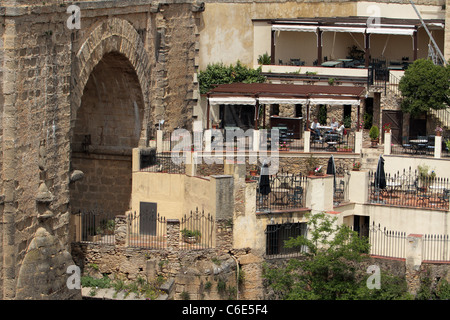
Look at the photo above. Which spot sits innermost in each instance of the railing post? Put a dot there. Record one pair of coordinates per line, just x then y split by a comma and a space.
306, 141
159, 141
387, 143
358, 186
173, 234
358, 141
437, 146
413, 262
120, 231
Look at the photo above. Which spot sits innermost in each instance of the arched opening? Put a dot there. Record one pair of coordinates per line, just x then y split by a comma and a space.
108, 126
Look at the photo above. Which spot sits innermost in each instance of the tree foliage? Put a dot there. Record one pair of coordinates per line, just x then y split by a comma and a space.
425, 86
329, 269
218, 73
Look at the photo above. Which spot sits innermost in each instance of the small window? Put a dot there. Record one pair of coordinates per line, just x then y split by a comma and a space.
277, 234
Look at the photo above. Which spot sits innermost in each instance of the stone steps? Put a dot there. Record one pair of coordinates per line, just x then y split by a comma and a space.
369, 157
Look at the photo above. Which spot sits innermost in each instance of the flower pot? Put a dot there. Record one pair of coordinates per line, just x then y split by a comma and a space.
438, 133
253, 172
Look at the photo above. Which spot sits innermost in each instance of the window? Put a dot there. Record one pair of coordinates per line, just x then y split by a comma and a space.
277, 234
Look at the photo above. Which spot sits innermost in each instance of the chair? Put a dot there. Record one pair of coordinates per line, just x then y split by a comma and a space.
340, 189
430, 144
406, 145
445, 196
297, 196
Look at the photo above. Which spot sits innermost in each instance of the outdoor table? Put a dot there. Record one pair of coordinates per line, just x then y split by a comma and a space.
393, 185
331, 64
418, 144
280, 196
346, 62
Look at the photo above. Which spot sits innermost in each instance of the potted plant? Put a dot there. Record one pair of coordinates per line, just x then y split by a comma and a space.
190, 236
356, 166
425, 176
387, 127
374, 134
318, 171
438, 131
311, 164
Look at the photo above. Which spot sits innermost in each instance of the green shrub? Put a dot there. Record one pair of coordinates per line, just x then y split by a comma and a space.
374, 133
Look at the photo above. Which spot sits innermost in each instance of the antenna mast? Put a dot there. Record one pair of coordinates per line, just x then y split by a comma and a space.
437, 59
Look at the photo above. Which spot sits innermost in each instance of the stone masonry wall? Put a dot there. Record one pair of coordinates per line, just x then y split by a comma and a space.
45, 67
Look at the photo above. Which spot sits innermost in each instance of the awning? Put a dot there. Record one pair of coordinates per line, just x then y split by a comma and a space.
282, 101
232, 100
344, 29
299, 28
334, 102
392, 31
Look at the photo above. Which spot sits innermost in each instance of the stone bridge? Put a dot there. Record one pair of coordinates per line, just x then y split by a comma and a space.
78, 100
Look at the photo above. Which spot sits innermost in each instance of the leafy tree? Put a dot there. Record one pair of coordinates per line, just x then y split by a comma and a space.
425, 86
218, 73
329, 269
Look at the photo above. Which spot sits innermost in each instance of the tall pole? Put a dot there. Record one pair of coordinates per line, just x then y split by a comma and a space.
429, 33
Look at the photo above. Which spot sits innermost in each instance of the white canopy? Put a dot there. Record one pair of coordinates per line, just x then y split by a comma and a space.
393, 31
344, 29
301, 28
282, 101
334, 102
232, 100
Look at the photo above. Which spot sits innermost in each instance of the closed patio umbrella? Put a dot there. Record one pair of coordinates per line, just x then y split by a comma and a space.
331, 169
264, 181
380, 175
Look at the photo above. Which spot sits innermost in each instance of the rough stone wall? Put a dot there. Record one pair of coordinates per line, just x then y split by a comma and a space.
46, 67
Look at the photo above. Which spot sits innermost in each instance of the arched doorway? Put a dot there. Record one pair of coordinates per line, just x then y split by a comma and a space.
108, 126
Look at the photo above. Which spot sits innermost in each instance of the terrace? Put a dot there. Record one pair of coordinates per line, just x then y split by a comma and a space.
345, 43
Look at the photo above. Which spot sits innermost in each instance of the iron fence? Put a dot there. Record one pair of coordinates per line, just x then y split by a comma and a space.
420, 145
277, 234
161, 162
330, 142
387, 243
97, 227
435, 247
410, 189
287, 191
147, 229
197, 231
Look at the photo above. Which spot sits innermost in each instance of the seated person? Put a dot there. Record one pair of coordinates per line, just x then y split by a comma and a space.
341, 129
334, 126
315, 129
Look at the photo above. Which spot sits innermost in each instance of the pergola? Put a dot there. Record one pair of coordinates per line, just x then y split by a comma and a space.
353, 25
256, 94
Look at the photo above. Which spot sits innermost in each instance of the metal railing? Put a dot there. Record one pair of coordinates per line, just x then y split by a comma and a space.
277, 234
387, 243
287, 191
410, 189
147, 229
97, 227
197, 231
436, 247
417, 146
333, 143
161, 162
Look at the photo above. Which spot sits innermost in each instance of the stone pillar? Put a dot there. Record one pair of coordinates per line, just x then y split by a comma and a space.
136, 160
358, 186
413, 262
438, 146
387, 143
358, 141
191, 163
159, 141
256, 140
306, 141
173, 234
319, 193
207, 135
120, 231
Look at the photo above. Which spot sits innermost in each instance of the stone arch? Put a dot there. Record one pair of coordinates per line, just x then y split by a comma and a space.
109, 61
112, 35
